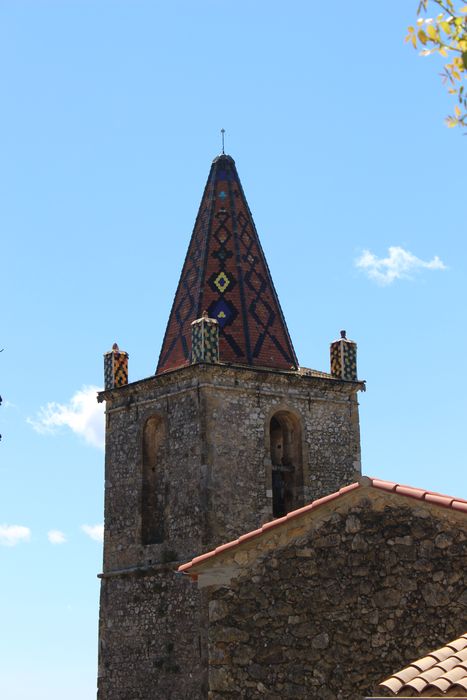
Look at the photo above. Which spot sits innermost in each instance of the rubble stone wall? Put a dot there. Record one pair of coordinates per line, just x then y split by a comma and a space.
214, 472
151, 639
330, 613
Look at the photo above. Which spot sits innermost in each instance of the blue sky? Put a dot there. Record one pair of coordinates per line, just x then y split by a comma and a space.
110, 118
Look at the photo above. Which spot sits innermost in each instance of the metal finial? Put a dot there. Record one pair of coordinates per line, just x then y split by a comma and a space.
222, 133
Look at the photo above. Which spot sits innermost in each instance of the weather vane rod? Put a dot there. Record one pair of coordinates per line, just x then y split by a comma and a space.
223, 132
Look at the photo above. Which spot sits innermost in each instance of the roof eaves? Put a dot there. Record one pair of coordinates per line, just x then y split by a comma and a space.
431, 497
268, 526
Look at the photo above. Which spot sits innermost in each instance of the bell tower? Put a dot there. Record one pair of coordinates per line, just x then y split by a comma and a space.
229, 433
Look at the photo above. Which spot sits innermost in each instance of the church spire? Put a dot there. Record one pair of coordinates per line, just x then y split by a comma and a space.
225, 272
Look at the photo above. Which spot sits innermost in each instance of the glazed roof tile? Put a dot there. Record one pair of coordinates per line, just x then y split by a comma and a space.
445, 671
226, 273
364, 482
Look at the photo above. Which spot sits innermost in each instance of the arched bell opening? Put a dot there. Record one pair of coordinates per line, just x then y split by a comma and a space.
286, 463
153, 488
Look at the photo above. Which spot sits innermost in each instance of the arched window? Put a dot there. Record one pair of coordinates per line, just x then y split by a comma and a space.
286, 461
153, 496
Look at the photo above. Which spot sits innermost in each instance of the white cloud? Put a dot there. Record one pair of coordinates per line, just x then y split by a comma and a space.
399, 264
56, 537
82, 414
95, 532
11, 535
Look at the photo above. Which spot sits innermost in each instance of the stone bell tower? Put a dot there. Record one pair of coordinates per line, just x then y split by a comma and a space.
229, 433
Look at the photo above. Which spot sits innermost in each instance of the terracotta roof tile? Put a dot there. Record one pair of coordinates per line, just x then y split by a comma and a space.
344, 489
410, 491
448, 671
442, 684
384, 485
448, 663
394, 684
430, 675
459, 505
249, 535
365, 481
458, 644
321, 501
407, 674
442, 654
439, 500
455, 674
424, 664
418, 683
271, 524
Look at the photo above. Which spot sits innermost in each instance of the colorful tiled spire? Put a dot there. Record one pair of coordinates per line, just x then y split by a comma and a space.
226, 273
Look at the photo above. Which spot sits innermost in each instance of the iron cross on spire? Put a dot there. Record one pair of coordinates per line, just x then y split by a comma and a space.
222, 134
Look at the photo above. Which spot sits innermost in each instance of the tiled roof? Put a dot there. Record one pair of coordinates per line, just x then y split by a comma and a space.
226, 274
442, 671
457, 504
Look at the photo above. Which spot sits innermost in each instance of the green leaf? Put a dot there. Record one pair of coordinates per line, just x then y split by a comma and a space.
464, 59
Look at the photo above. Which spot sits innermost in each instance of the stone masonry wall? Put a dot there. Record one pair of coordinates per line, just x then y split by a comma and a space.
332, 612
216, 466
150, 639
238, 410
215, 473
179, 467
